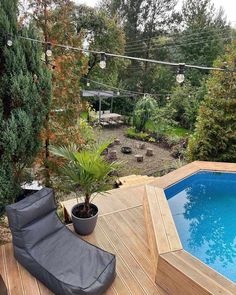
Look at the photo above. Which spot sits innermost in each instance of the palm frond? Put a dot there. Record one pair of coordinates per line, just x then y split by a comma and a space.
65, 152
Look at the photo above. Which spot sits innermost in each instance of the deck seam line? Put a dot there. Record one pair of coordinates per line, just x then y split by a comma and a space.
120, 276
114, 289
139, 217
20, 276
151, 280
38, 287
5, 268
121, 210
127, 224
124, 262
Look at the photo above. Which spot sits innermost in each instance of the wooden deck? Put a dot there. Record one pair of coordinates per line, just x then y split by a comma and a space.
120, 230
124, 230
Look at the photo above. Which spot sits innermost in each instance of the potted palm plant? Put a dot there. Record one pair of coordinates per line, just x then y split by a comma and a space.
86, 173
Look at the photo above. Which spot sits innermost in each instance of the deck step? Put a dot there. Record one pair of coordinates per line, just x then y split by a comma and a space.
131, 180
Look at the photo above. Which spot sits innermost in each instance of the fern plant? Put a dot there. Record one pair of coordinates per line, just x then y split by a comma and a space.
85, 171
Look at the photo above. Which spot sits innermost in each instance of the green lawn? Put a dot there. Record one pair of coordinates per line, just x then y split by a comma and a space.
178, 131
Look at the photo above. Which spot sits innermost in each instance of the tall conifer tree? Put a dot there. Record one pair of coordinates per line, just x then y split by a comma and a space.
25, 95
215, 135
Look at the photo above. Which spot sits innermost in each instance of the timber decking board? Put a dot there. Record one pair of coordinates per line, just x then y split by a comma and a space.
127, 240
184, 270
115, 200
170, 228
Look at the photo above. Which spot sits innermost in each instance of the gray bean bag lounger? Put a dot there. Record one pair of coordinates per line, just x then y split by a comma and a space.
58, 258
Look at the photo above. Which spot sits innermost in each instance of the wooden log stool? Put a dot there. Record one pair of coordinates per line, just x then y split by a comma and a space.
113, 155
139, 158
117, 141
149, 152
142, 146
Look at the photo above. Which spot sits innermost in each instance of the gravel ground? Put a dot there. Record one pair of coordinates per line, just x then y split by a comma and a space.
161, 159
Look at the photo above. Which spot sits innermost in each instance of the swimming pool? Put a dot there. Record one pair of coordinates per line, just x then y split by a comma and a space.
203, 206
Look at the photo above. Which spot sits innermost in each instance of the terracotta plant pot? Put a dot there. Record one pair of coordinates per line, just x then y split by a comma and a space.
84, 226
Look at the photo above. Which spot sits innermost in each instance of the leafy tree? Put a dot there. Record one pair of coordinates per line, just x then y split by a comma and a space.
55, 19
203, 39
25, 95
101, 34
184, 104
144, 110
144, 23
215, 137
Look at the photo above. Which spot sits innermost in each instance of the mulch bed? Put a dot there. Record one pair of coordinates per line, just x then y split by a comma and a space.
5, 234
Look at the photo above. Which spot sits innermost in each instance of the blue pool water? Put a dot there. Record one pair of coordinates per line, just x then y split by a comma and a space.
204, 210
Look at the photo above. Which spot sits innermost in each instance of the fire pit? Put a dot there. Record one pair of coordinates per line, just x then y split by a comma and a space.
126, 150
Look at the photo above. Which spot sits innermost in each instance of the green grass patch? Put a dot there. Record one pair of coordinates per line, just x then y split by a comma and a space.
132, 133
178, 131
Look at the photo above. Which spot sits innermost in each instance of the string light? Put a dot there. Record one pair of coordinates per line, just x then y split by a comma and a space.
180, 75
88, 83
128, 92
105, 54
49, 49
103, 62
9, 42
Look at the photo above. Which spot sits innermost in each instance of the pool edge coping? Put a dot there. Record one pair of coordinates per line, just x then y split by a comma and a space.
172, 264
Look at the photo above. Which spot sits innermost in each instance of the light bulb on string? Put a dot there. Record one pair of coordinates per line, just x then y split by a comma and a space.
180, 78
49, 49
88, 83
9, 42
180, 74
103, 62
118, 92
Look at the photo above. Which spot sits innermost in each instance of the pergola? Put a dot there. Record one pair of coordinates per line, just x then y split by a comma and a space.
100, 94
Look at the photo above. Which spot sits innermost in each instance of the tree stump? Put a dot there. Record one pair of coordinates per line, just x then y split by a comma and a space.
117, 141
149, 152
139, 158
113, 155
142, 146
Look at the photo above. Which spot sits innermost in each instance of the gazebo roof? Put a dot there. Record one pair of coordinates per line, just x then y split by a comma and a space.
101, 93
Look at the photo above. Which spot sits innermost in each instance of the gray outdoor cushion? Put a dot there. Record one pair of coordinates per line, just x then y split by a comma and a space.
57, 257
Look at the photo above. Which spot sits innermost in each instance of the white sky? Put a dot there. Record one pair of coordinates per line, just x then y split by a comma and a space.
229, 7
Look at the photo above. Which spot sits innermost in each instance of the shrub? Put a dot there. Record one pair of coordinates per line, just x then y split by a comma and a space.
25, 95
132, 133
184, 104
215, 137
144, 110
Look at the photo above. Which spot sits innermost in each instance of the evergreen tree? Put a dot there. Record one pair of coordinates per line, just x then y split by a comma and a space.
25, 94
215, 135
204, 37
145, 23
